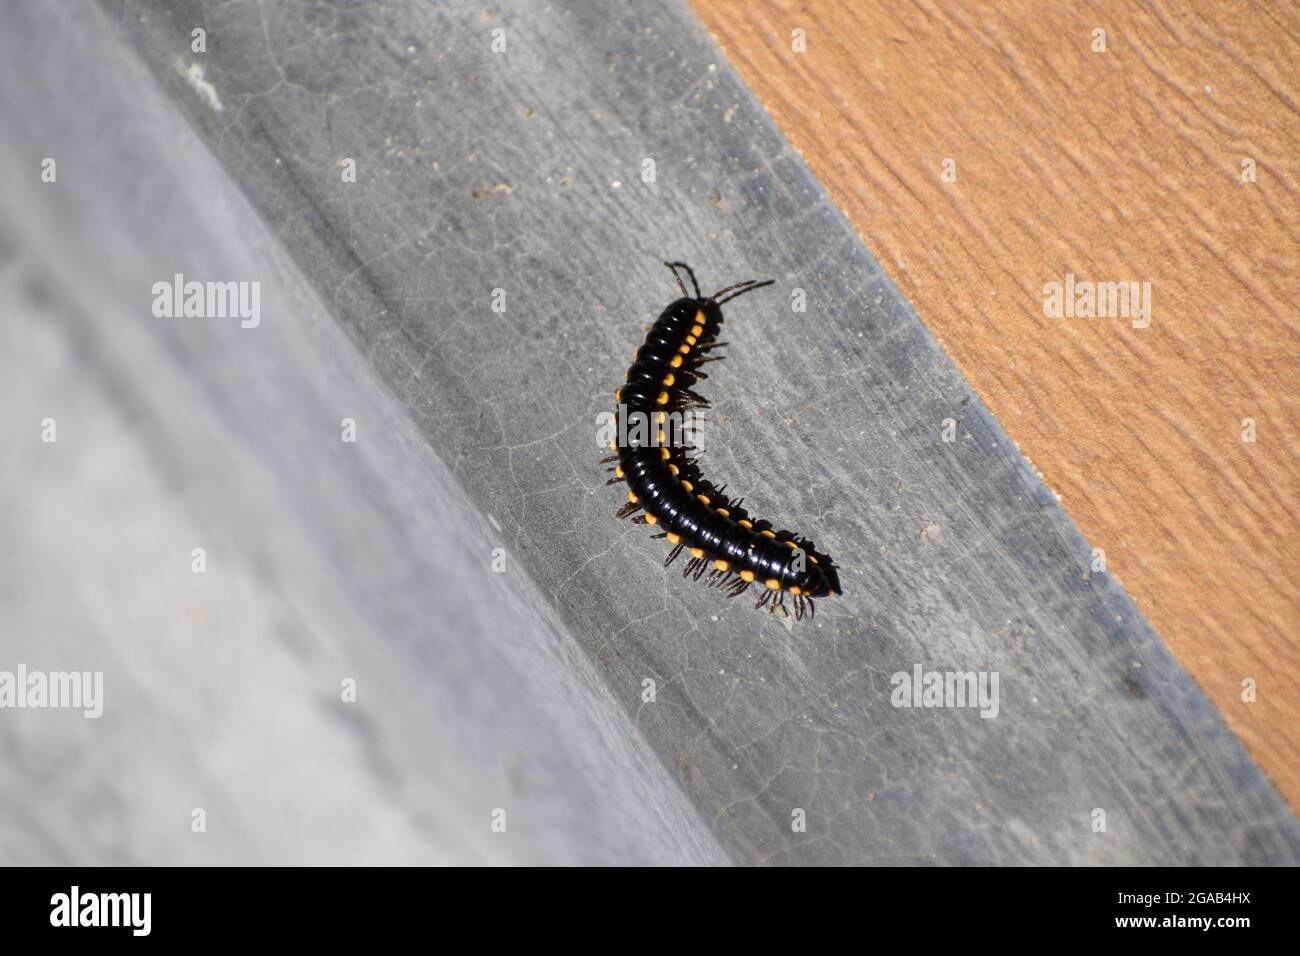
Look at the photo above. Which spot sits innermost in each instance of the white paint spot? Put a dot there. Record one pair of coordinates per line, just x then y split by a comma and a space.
206, 91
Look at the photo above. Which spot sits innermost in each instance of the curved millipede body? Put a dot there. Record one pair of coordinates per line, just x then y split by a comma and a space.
665, 486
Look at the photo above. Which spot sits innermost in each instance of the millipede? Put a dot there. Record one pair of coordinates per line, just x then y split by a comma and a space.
665, 487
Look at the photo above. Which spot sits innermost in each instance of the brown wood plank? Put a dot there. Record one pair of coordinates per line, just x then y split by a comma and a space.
1122, 165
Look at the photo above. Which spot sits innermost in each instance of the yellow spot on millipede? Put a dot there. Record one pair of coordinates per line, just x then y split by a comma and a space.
663, 417
666, 453
685, 349
691, 340
674, 538
618, 471
631, 496
724, 512
746, 523
669, 378
650, 519
703, 499
663, 398
697, 552
795, 589
696, 329
773, 584
812, 559
676, 361
747, 576
673, 469
792, 546
721, 565
687, 485
769, 533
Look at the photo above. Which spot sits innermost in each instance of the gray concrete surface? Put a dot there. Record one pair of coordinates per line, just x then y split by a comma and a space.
520, 171
325, 561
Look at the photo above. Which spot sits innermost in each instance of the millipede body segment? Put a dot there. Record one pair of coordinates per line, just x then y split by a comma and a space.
665, 486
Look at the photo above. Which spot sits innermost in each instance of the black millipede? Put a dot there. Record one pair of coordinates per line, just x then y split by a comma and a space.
665, 486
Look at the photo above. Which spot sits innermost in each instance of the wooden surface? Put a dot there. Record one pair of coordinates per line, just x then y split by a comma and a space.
1123, 165
477, 430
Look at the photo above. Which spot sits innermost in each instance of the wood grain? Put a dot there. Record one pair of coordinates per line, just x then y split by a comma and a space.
1122, 165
